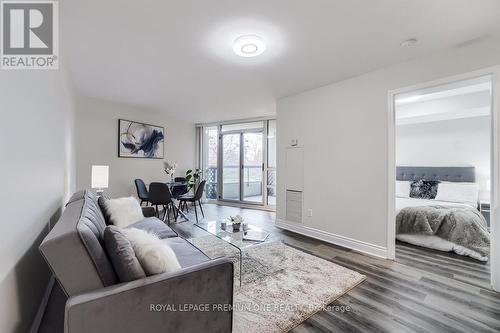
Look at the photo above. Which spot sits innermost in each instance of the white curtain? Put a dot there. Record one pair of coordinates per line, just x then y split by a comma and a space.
199, 154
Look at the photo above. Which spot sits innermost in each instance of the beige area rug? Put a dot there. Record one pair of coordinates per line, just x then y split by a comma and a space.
282, 286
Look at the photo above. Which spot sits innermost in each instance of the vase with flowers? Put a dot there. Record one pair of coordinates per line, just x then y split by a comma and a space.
236, 222
170, 168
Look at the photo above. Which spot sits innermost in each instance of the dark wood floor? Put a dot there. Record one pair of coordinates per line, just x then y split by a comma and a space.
423, 291
446, 264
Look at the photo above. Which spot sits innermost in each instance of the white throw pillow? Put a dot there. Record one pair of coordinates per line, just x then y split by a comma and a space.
403, 189
154, 254
124, 211
467, 193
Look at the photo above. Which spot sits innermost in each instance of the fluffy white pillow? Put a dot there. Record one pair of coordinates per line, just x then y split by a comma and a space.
403, 189
124, 211
154, 255
467, 193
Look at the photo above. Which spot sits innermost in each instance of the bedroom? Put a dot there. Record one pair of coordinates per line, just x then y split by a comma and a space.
443, 178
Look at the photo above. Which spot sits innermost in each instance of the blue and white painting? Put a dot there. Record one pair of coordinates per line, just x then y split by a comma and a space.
140, 140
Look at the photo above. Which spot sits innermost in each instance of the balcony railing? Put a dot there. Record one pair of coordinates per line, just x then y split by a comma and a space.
252, 180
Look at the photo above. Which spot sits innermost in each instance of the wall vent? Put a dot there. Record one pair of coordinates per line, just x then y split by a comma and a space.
294, 206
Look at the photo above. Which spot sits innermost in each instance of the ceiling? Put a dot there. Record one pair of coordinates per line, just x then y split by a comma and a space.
457, 100
176, 56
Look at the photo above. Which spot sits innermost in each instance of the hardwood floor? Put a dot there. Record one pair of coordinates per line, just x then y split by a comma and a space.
451, 265
423, 291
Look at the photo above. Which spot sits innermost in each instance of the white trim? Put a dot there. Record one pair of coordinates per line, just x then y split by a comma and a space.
495, 184
494, 72
354, 244
242, 204
391, 178
237, 121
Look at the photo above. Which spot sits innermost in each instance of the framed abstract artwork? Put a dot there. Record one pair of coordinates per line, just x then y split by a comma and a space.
139, 140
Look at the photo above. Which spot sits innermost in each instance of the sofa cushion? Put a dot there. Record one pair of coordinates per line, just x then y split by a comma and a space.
187, 254
154, 226
74, 248
122, 255
123, 211
91, 230
155, 256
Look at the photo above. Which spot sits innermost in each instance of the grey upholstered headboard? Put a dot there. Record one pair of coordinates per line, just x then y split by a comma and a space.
449, 174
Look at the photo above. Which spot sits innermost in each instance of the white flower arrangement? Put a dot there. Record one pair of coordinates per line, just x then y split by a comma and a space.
170, 167
236, 219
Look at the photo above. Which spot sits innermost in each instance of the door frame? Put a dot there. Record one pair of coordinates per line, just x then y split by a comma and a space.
241, 165
494, 72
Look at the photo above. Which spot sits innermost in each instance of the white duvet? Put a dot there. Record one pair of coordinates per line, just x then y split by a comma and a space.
410, 202
433, 242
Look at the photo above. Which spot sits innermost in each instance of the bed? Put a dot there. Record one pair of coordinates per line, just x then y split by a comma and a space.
446, 218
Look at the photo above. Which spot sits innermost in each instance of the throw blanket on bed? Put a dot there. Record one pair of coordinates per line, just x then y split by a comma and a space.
464, 226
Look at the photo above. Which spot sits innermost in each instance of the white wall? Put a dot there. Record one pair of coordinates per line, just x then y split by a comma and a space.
343, 128
97, 143
454, 142
37, 169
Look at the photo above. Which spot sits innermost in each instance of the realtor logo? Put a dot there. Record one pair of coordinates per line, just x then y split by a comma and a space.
29, 35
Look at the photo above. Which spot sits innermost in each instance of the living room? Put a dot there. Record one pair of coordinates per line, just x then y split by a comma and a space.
264, 136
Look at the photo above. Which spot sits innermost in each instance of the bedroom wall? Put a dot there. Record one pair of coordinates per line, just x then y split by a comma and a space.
38, 174
343, 128
97, 143
448, 143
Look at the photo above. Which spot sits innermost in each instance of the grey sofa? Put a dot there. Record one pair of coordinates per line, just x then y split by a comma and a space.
98, 302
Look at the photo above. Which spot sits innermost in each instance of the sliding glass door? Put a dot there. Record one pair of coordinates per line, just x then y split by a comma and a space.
253, 167
237, 163
242, 162
231, 165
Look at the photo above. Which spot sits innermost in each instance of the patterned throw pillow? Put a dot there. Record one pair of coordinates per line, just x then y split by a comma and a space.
424, 189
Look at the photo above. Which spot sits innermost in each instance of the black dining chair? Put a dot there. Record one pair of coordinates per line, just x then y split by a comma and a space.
142, 191
180, 188
160, 195
184, 199
180, 179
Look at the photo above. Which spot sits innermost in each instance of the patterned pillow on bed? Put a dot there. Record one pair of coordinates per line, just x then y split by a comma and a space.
424, 189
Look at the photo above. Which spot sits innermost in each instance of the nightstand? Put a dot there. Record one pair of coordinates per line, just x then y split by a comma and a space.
484, 208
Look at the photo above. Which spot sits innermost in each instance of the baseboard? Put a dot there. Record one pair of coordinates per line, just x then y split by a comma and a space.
353, 244
43, 305
242, 205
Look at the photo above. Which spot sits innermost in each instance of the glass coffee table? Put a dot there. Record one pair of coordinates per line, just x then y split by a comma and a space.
260, 257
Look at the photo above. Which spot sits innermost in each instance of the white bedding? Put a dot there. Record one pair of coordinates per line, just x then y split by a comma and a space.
411, 202
434, 242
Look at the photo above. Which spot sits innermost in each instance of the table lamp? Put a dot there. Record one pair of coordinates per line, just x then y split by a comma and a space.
100, 178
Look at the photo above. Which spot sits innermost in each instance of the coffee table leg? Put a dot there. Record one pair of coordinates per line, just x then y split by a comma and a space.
241, 265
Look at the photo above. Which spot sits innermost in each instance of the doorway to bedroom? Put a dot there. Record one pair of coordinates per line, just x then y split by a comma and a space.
443, 158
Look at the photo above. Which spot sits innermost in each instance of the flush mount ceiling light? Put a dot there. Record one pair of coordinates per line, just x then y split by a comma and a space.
409, 42
249, 46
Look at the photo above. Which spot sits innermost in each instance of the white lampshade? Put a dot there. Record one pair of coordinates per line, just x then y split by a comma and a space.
100, 176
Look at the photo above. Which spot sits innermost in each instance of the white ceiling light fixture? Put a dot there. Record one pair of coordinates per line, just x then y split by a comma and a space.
409, 42
249, 46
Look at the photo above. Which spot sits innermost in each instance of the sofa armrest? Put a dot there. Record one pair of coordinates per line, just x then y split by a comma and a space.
148, 211
159, 303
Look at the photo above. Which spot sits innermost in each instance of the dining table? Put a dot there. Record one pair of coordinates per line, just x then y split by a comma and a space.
171, 185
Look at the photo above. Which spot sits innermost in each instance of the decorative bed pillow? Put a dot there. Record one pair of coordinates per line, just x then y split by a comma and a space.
122, 255
402, 189
123, 212
424, 189
154, 255
467, 193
